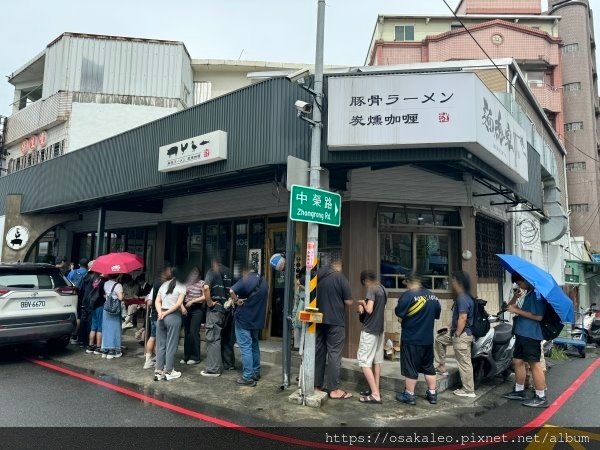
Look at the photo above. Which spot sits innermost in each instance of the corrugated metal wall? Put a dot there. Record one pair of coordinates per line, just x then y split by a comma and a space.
117, 66
262, 131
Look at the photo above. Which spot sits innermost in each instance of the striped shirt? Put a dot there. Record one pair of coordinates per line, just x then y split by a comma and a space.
195, 290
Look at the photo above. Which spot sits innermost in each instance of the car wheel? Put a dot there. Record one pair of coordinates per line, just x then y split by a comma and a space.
60, 343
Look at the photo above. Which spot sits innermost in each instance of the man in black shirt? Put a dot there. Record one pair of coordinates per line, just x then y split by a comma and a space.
333, 294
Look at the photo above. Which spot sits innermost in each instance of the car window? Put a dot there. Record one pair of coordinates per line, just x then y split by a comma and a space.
32, 280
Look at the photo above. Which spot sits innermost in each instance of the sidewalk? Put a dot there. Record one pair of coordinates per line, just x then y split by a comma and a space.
265, 404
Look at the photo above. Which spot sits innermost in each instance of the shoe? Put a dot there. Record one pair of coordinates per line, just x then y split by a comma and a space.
172, 375
443, 373
117, 355
229, 368
536, 402
97, 351
256, 377
243, 382
111, 354
104, 354
74, 341
431, 398
183, 361
191, 362
149, 364
126, 326
515, 395
462, 393
90, 349
404, 397
158, 375
204, 373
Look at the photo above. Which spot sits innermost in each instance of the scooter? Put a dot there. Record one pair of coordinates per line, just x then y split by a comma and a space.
591, 325
492, 354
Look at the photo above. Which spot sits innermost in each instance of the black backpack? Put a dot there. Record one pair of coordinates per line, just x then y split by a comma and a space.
481, 324
550, 324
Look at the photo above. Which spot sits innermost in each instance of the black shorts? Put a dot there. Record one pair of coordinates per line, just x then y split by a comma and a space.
527, 349
415, 359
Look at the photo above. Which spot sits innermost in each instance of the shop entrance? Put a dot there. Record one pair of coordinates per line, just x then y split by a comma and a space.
276, 244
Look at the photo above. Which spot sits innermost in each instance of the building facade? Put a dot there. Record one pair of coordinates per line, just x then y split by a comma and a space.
581, 113
413, 199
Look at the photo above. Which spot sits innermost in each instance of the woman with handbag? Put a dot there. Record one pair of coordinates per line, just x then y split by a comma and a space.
111, 318
168, 304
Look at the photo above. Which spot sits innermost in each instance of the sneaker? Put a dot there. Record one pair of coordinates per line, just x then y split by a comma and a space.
537, 402
104, 353
158, 375
431, 398
405, 397
183, 361
149, 364
462, 393
74, 341
111, 354
97, 351
126, 326
173, 374
515, 395
204, 373
90, 349
117, 355
191, 362
243, 382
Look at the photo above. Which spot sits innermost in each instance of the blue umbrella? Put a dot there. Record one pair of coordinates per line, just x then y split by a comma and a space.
543, 283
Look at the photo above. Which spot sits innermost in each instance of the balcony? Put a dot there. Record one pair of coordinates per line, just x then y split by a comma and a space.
550, 97
37, 116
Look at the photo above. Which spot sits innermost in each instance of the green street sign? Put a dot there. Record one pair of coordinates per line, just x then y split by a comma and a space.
315, 205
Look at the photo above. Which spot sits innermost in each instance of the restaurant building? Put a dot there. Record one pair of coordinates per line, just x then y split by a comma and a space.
437, 173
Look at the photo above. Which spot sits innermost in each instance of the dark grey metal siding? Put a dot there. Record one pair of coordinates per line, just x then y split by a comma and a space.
262, 131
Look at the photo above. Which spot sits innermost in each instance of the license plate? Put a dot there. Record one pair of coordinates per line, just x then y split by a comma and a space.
33, 304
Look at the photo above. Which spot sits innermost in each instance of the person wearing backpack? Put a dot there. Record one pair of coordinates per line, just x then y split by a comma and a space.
76, 277
528, 342
460, 335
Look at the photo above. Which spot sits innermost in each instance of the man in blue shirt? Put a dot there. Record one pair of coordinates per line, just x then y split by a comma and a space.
528, 340
250, 295
418, 309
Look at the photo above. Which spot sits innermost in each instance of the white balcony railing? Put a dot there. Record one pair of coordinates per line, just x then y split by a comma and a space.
38, 115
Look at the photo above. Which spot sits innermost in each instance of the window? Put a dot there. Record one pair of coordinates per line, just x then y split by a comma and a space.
573, 126
570, 48
576, 167
579, 207
572, 87
417, 240
535, 78
489, 238
405, 33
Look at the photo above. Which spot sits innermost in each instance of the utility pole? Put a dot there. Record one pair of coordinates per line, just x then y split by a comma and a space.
308, 361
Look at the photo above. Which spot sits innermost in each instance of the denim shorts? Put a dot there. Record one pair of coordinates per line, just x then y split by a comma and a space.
97, 319
152, 327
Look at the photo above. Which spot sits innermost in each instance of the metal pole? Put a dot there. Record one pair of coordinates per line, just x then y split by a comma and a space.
308, 362
290, 257
100, 231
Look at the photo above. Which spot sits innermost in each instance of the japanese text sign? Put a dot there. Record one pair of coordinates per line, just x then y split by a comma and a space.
315, 205
204, 149
425, 110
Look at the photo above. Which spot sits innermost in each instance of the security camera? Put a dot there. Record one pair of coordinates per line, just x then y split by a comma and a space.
303, 107
298, 75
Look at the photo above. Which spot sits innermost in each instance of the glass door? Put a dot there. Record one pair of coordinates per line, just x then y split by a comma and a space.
277, 241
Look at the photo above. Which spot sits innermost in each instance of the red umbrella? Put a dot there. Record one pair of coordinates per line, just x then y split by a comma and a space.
122, 262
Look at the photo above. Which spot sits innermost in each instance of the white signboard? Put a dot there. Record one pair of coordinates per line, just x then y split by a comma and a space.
199, 150
17, 238
425, 110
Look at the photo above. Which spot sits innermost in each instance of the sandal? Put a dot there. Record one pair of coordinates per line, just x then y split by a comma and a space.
344, 396
365, 393
370, 399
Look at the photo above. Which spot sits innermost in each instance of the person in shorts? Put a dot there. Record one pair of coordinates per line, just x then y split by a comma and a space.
370, 347
418, 309
529, 309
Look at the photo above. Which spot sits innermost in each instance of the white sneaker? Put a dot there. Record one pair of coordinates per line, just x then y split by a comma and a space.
183, 361
149, 364
462, 393
173, 374
158, 375
125, 326
104, 354
117, 355
204, 373
191, 362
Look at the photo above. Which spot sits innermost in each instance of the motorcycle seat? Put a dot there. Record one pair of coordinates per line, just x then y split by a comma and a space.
502, 333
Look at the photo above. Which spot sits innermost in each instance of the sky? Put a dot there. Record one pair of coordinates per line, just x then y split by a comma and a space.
270, 30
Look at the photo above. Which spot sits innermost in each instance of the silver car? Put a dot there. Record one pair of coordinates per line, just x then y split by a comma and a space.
37, 303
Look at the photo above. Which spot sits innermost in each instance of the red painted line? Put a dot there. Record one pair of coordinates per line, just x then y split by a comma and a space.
537, 422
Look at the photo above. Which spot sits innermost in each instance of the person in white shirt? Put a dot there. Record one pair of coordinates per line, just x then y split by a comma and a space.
168, 305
